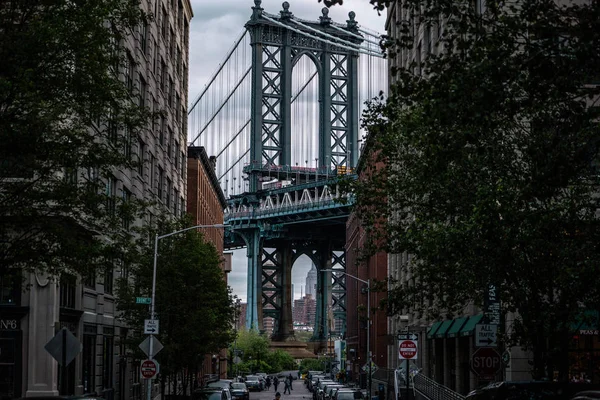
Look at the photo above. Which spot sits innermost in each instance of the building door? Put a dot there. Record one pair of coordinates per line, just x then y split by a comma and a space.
10, 364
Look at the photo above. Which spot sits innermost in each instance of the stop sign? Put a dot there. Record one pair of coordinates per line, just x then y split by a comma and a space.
407, 349
486, 363
149, 369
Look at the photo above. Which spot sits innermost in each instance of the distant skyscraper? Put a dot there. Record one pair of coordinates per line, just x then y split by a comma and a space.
311, 281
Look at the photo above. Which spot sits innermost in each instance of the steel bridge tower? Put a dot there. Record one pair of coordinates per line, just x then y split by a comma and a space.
276, 239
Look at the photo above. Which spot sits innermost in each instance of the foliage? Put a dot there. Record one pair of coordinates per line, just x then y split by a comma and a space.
256, 355
485, 153
313, 364
66, 123
193, 303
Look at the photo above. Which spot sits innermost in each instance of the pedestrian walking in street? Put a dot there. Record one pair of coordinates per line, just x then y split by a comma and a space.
291, 380
275, 382
287, 385
268, 382
277, 396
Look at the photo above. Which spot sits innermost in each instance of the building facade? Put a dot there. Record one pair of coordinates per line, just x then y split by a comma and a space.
206, 204
157, 67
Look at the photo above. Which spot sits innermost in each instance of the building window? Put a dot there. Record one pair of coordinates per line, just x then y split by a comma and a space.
89, 359
68, 288
169, 143
161, 134
89, 281
142, 94
111, 195
128, 72
127, 142
183, 210
125, 217
165, 23
182, 165
71, 176
176, 155
10, 285
144, 36
176, 210
108, 279
159, 191
108, 341
152, 170
171, 91
111, 126
140, 157
168, 193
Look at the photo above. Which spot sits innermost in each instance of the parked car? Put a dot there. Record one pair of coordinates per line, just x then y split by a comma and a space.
348, 394
239, 391
222, 383
253, 383
330, 391
540, 390
211, 393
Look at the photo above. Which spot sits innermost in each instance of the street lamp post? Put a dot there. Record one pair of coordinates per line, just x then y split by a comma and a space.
157, 237
368, 283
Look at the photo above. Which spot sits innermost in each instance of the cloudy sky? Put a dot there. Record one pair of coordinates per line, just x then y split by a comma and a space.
214, 29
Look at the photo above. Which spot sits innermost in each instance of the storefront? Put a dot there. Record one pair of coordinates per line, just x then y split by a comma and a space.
11, 353
584, 355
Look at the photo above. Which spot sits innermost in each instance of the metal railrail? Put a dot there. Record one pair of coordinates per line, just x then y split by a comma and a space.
432, 390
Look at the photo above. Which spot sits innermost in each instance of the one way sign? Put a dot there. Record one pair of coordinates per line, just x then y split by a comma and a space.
151, 327
486, 335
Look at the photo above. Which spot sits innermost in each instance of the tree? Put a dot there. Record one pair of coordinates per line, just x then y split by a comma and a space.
489, 152
193, 303
66, 125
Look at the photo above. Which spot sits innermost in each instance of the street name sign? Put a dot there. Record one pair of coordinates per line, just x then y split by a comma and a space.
149, 369
407, 349
156, 346
143, 300
151, 327
408, 336
485, 363
486, 335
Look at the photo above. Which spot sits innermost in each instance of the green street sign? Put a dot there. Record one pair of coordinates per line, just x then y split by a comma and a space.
143, 300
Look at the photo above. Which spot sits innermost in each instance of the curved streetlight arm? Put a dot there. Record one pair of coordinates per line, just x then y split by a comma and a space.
368, 283
153, 298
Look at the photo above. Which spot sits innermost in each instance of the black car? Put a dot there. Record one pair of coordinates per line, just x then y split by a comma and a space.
211, 393
239, 391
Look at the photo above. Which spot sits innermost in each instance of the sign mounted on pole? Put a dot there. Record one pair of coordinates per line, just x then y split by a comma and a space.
486, 363
407, 349
408, 336
143, 300
156, 346
149, 369
150, 327
486, 335
492, 305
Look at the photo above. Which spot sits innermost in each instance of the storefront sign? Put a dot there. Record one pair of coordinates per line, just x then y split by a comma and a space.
595, 332
9, 324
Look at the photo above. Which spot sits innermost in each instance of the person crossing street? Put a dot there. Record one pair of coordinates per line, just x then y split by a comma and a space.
287, 385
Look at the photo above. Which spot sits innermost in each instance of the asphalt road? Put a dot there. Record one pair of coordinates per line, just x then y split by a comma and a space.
299, 391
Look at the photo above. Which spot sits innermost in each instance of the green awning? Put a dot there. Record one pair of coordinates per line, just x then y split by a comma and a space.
441, 332
433, 329
455, 328
587, 320
469, 327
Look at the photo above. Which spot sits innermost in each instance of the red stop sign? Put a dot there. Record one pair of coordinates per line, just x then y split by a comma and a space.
149, 369
486, 363
407, 349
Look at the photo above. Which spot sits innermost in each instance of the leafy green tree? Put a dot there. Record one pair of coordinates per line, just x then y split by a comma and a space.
66, 126
486, 155
193, 303
312, 364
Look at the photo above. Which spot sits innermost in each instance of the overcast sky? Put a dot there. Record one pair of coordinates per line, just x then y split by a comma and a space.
213, 30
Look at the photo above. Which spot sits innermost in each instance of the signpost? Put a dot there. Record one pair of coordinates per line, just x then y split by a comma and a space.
407, 349
485, 363
156, 346
151, 327
143, 300
63, 347
492, 305
149, 369
486, 335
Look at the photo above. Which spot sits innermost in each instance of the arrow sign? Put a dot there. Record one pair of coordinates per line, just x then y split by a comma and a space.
151, 327
486, 335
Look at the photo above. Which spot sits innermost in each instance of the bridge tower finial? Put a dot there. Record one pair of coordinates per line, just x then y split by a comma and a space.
285, 13
325, 20
257, 9
352, 24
